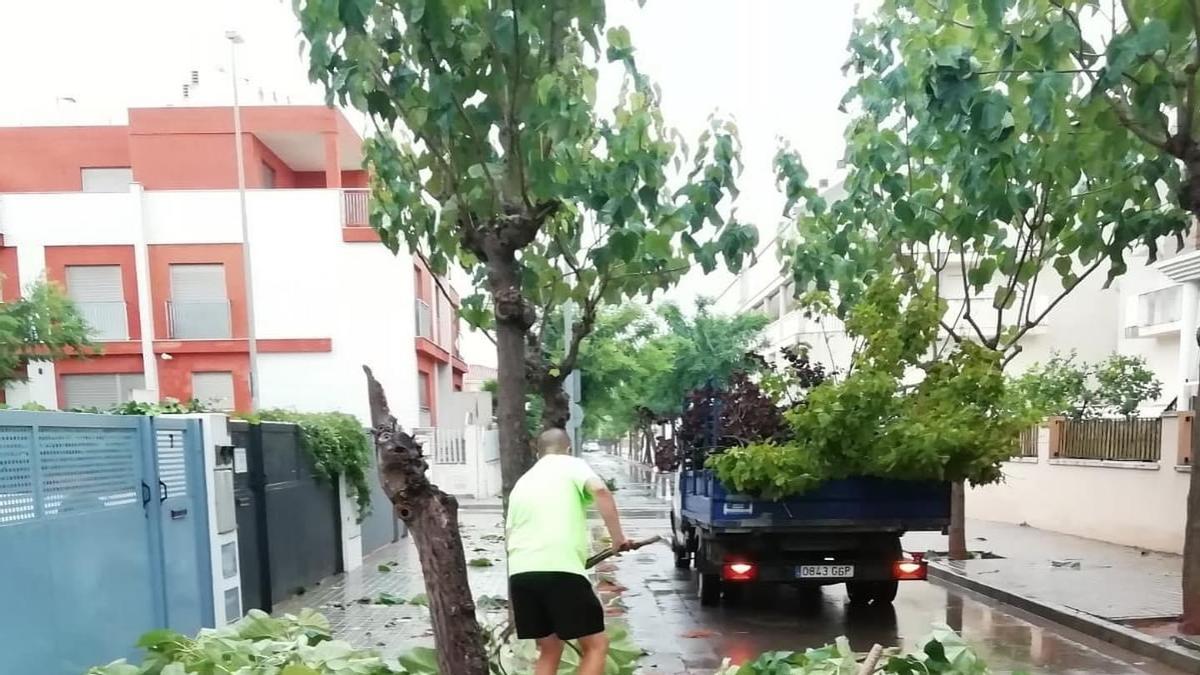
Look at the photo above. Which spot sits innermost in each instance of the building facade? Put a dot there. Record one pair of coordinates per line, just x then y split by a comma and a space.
141, 225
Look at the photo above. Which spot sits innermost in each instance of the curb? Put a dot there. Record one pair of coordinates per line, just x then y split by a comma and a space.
1162, 650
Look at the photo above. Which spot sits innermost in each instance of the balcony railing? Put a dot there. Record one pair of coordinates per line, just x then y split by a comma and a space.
108, 320
356, 210
199, 320
424, 320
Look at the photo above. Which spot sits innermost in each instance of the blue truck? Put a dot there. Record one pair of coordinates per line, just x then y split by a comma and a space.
846, 531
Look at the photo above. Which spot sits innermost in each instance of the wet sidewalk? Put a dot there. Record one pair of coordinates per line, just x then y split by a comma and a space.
372, 607
1116, 583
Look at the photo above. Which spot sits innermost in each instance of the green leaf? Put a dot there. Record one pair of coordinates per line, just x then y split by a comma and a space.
291, 669
419, 661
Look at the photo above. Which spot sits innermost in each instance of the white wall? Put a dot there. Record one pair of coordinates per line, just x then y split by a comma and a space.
1133, 504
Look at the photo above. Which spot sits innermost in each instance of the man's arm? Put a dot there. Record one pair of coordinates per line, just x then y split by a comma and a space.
607, 506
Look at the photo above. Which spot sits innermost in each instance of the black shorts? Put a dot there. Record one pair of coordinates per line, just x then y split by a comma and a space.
554, 603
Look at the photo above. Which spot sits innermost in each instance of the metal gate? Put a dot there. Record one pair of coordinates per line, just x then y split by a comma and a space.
381, 527
104, 536
289, 522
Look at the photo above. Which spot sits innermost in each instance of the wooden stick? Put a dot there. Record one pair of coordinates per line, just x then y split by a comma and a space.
608, 552
868, 664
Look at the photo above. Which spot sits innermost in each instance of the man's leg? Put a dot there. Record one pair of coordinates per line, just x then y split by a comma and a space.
595, 653
550, 650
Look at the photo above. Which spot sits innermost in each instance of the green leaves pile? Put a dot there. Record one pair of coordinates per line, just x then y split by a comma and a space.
338, 444
260, 644
942, 652
903, 411
302, 644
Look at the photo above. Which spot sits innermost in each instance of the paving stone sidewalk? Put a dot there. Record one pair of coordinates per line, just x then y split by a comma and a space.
1113, 582
351, 601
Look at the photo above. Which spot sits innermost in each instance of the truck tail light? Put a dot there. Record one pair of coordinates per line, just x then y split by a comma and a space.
739, 571
909, 570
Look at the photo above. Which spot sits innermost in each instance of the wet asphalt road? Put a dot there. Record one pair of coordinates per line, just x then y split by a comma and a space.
666, 619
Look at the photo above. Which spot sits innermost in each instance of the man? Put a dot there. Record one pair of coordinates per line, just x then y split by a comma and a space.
547, 536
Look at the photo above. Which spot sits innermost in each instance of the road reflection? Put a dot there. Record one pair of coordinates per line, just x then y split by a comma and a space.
666, 618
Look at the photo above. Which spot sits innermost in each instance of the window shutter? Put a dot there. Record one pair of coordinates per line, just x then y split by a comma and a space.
95, 283
214, 390
197, 282
101, 391
106, 179
90, 391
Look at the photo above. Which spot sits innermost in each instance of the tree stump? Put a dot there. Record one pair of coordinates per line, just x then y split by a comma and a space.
432, 517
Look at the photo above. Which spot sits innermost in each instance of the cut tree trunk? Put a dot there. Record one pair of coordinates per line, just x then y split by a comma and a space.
1190, 622
958, 521
432, 517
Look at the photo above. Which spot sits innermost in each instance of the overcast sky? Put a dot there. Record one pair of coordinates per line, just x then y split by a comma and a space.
772, 65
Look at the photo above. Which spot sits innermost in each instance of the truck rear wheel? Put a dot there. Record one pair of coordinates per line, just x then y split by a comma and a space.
710, 590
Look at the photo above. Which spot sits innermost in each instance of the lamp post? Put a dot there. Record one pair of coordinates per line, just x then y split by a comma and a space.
235, 39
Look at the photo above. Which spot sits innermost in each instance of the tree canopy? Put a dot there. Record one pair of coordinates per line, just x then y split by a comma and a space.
984, 158
637, 364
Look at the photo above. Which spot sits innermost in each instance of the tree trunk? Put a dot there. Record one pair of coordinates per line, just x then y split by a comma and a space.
1191, 557
556, 405
513, 319
958, 521
432, 517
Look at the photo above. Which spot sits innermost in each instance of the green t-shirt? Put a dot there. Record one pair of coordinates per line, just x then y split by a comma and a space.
547, 517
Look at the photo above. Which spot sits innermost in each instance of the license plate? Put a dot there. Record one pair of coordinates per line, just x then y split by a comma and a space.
824, 571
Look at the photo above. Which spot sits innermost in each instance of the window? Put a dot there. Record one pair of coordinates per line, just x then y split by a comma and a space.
267, 176
773, 305
789, 297
1159, 307
100, 391
99, 296
112, 179
213, 390
199, 307
423, 391
425, 414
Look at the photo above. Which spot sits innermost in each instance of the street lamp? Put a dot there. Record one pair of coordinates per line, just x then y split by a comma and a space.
235, 39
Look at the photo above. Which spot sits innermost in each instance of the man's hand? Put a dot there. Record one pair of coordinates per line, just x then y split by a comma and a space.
620, 543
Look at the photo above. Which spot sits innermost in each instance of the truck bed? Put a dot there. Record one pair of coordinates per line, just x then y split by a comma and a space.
852, 504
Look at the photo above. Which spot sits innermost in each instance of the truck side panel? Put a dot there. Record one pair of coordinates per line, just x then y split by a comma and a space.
867, 504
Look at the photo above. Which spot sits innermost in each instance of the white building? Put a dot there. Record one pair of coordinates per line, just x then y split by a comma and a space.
141, 224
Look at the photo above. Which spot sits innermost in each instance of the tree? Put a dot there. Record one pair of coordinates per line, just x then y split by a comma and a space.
1118, 385
615, 358
669, 358
489, 153
42, 325
980, 161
